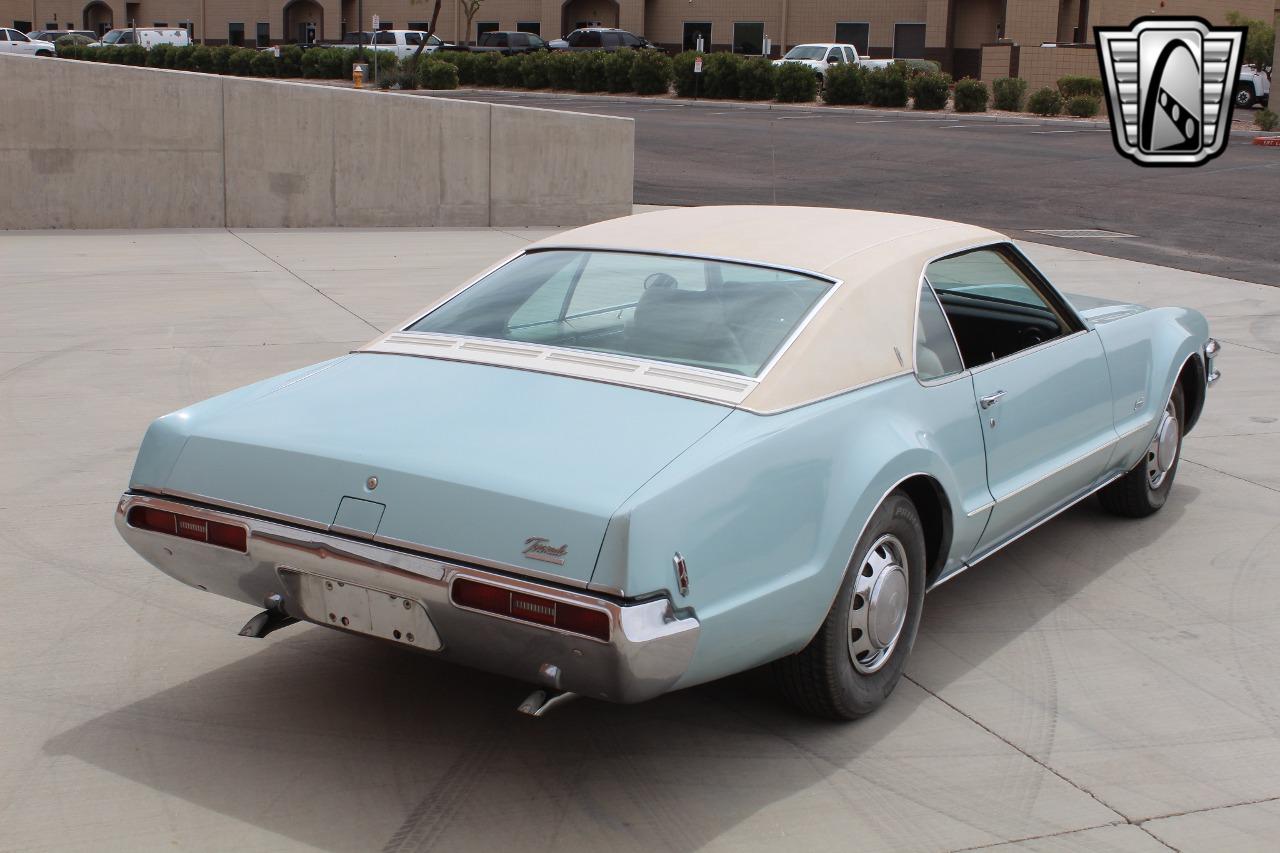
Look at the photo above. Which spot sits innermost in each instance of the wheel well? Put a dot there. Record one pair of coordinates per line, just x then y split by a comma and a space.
1192, 382
935, 517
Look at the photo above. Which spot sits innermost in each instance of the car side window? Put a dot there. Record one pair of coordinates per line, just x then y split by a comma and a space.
834, 55
612, 40
384, 37
589, 39
4, 35
629, 40
936, 352
413, 38
849, 55
995, 305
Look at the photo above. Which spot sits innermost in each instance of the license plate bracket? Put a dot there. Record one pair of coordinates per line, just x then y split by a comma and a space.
362, 610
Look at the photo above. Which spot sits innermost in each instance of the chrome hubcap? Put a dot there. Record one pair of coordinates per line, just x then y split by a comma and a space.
878, 609
1163, 450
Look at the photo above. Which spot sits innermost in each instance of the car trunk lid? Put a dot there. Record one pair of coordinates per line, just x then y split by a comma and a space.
477, 462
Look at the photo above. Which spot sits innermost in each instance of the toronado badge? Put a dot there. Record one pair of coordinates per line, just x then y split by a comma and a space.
1168, 84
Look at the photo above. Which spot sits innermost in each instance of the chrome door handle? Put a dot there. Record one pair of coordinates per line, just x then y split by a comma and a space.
991, 399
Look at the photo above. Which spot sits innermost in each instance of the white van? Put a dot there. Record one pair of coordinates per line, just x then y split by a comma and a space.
148, 37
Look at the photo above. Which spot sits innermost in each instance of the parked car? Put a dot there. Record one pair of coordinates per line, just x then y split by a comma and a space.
403, 43
819, 57
652, 452
54, 35
510, 42
1253, 87
601, 38
12, 41
148, 37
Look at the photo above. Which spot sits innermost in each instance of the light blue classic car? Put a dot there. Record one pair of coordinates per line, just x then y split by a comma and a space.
655, 451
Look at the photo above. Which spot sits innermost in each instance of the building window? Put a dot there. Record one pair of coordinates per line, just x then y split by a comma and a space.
421, 26
695, 29
485, 27
50, 25
858, 35
264, 34
23, 26
908, 41
534, 27
190, 27
386, 25
235, 34
748, 37
159, 23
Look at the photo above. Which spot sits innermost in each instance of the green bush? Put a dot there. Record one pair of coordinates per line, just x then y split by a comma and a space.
930, 90
463, 62
290, 61
915, 67
407, 77
1046, 102
533, 73
651, 73
134, 54
1266, 119
511, 71
845, 84
720, 75
263, 64
241, 62
757, 80
887, 87
158, 56
486, 68
336, 62
1082, 106
202, 59
1073, 85
560, 69
971, 96
72, 39
617, 70
387, 68
1008, 93
183, 58
588, 71
436, 74
68, 50
682, 70
796, 83
222, 56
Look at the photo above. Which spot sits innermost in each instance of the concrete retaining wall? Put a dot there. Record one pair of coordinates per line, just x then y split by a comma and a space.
88, 145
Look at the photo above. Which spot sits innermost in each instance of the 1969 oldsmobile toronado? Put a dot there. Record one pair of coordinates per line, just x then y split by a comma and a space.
655, 451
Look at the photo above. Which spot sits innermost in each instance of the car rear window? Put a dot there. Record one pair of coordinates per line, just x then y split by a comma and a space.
702, 313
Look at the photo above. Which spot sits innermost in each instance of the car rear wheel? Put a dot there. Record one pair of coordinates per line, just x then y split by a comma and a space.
1145, 488
43, 53
1244, 96
856, 659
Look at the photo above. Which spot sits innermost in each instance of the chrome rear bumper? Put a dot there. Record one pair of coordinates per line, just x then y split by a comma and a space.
648, 649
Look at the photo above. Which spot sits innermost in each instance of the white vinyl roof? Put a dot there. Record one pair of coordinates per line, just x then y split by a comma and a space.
862, 332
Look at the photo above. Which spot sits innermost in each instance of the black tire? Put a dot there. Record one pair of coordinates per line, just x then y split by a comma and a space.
43, 53
1133, 496
822, 678
1244, 96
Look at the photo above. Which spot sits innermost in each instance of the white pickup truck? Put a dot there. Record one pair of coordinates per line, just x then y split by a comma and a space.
1253, 87
148, 37
402, 43
820, 56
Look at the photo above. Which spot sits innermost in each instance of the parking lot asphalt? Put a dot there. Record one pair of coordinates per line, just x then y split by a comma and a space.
1101, 685
1015, 177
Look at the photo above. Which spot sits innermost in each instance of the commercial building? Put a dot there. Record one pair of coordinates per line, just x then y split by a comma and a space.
954, 32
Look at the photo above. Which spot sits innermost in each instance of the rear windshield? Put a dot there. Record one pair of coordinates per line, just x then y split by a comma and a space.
702, 313
806, 51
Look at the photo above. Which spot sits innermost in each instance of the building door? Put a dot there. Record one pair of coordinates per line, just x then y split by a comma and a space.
908, 41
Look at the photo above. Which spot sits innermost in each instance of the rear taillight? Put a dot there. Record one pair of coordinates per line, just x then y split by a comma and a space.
531, 608
231, 536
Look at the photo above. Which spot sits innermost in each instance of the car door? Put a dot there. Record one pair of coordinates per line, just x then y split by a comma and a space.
1041, 385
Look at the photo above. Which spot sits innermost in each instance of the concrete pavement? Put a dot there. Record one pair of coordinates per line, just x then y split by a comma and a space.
1101, 685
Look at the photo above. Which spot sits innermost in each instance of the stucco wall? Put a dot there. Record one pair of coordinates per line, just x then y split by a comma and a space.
109, 146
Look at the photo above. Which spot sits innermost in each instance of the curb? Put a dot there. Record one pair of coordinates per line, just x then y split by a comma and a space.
1267, 141
690, 103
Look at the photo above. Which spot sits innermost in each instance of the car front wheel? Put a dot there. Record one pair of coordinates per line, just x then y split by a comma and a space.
1244, 96
1145, 488
856, 659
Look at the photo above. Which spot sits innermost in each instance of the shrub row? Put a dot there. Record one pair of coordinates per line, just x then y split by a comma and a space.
319, 63
645, 72
894, 85
1050, 102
